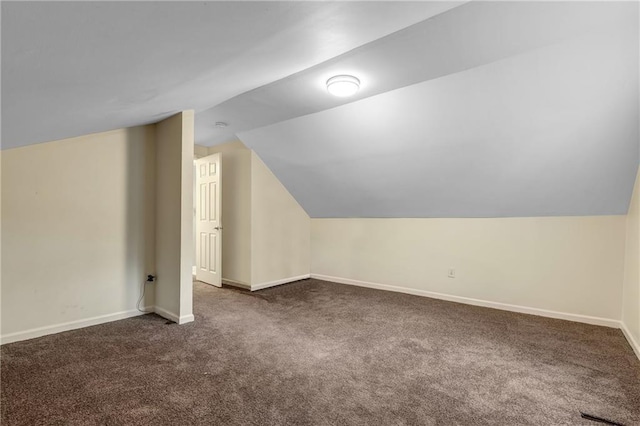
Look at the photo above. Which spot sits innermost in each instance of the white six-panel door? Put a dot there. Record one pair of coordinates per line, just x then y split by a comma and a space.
208, 224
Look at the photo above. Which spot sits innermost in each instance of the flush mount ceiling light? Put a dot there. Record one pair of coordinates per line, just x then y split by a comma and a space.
343, 85
220, 124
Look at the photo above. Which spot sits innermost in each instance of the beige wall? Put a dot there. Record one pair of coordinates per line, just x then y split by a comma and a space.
83, 223
174, 217
200, 151
0, 245
186, 222
236, 211
631, 287
280, 229
570, 265
77, 230
266, 234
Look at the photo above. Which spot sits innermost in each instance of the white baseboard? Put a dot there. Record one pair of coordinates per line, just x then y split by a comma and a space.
477, 302
634, 344
255, 287
185, 319
235, 283
72, 325
166, 314
173, 317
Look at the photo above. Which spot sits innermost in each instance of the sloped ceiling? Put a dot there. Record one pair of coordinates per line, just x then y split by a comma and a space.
467, 109
72, 68
549, 129
468, 36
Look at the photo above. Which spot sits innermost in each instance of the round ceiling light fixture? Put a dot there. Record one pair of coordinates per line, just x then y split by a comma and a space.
221, 124
343, 85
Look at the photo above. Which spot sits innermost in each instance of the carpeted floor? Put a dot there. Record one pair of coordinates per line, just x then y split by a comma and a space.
320, 353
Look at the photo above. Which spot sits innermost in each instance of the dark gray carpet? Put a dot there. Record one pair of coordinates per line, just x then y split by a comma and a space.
320, 353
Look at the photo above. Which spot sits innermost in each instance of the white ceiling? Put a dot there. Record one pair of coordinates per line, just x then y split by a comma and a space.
468, 36
476, 109
550, 130
71, 68
546, 133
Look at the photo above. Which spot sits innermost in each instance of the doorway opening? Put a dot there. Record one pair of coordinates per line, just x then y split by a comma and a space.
207, 219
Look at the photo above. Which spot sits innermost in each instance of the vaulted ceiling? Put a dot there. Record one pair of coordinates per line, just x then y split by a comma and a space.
71, 68
466, 109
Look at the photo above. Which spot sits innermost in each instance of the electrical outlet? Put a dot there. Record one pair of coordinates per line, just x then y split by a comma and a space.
451, 273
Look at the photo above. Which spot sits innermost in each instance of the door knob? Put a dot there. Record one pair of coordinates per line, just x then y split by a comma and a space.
218, 228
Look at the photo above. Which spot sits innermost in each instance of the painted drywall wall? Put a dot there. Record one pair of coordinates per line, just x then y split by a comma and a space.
174, 217
280, 229
266, 234
236, 211
570, 265
631, 287
200, 151
77, 231
0, 241
186, 208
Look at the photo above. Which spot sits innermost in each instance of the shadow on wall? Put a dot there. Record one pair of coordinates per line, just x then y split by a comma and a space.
140, 213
